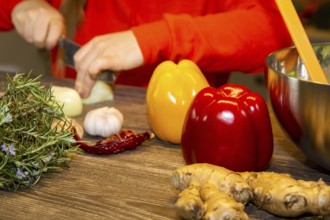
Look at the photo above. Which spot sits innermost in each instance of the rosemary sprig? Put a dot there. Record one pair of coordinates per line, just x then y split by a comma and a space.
30, 145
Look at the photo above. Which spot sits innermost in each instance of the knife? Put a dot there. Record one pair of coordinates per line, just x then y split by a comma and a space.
70, 48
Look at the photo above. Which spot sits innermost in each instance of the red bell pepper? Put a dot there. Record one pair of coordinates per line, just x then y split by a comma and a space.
229, 127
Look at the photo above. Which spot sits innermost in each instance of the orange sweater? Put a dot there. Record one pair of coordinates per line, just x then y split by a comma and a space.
220, 36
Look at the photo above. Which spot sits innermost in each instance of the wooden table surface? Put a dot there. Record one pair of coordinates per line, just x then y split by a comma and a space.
134, 184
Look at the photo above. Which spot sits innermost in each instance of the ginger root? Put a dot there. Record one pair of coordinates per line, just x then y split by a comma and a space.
211, 192
282, 195
208, 192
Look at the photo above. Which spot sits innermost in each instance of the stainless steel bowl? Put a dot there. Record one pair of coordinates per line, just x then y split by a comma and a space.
301, 106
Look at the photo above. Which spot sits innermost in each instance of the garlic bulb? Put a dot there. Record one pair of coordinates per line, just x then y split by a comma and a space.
101, 92
72, 104
103, 122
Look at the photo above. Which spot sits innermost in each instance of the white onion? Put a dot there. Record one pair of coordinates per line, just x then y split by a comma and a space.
72, 103
101, 92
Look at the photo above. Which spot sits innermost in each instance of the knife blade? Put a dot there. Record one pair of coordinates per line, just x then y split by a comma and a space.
70, 48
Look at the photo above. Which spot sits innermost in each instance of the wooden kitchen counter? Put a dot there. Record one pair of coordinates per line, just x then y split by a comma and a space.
130, 185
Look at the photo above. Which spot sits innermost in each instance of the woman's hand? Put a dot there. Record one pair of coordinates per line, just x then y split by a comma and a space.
38, 22
116, 52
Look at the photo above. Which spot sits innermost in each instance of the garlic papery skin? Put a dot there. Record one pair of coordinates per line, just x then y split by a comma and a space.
101, 92
72, 103
103, 122
71, 125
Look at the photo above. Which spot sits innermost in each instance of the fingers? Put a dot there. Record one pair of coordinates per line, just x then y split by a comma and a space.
38, 32
102, 63
47, 31
116, 52
85, 78
91, 73
93, 61
38, 22
89, 68
86, 64
55, 31
84, 84
85, 56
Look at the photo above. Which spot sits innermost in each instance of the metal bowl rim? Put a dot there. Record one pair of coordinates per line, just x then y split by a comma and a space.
291, 77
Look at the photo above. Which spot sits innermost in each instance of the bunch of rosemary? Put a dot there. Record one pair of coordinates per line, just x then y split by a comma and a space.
30, 144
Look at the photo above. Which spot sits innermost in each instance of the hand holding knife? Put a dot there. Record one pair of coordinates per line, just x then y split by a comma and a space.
70, 48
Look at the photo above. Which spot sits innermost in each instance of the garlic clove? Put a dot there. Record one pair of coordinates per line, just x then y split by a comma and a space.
72, 124
79, 129
72, 103
103, 122
101, 92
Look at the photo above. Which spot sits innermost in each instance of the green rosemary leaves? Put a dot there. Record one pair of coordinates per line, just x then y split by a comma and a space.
30, 143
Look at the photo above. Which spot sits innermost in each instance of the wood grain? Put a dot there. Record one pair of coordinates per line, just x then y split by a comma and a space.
134, 184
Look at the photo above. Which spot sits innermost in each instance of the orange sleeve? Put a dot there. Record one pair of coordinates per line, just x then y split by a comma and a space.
237, 39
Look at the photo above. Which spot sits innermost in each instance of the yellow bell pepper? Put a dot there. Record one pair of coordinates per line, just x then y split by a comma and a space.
170, 92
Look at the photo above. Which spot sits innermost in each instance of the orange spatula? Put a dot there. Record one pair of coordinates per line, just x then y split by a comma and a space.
301, 41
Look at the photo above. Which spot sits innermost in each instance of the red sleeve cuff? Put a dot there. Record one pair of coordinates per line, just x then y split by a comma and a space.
154, 40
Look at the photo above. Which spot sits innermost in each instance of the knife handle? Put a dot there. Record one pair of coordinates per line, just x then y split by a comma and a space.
107, 76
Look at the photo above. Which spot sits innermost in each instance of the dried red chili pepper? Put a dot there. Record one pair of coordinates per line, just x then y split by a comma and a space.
116, 143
